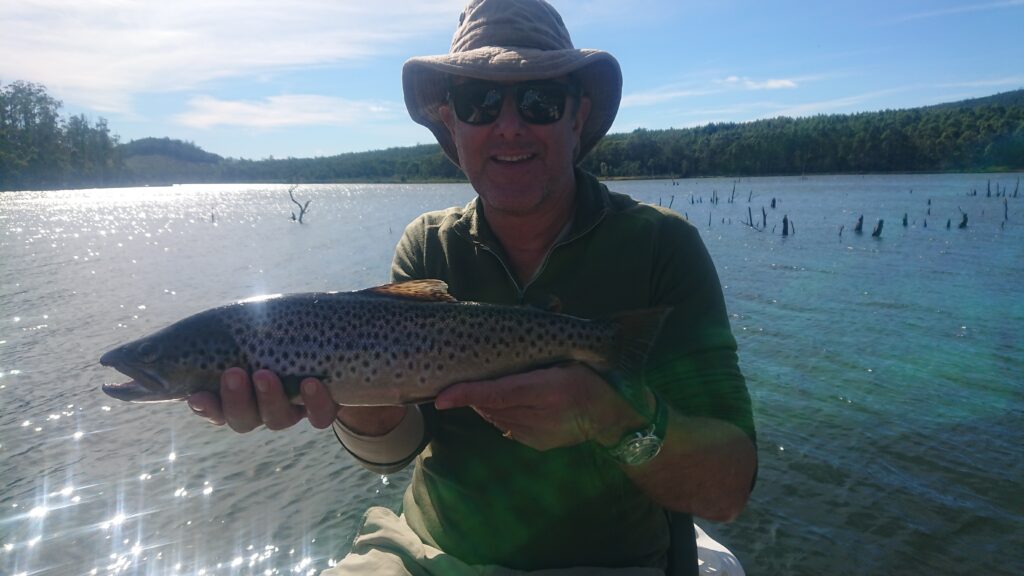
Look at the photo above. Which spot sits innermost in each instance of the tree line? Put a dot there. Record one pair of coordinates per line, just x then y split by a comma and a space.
985, 134
41, 149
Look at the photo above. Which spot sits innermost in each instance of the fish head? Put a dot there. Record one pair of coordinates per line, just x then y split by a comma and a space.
175, 362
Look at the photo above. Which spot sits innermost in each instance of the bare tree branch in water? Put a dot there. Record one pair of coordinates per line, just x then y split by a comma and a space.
302, 207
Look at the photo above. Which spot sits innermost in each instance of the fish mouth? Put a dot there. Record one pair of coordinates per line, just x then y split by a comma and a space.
144, 386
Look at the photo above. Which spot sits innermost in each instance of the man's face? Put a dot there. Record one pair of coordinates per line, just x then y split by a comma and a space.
516, 167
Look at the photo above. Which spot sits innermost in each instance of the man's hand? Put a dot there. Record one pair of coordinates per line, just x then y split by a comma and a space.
548, 408
245, 405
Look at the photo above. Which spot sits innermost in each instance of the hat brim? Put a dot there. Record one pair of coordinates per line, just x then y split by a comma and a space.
425, 83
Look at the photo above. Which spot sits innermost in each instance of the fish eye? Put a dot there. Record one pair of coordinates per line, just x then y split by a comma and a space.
148, 352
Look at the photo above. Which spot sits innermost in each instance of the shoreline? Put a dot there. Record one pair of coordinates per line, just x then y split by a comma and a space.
1019, 173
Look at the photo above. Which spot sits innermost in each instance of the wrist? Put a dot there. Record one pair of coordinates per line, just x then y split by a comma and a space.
369, 421
642, 445
618, 419
393, 450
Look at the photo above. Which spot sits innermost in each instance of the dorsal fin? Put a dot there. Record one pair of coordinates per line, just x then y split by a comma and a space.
425, 290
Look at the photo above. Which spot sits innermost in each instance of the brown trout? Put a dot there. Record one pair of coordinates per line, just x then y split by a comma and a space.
393, 344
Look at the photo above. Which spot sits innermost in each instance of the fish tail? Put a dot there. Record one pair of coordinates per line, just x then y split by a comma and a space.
637, 333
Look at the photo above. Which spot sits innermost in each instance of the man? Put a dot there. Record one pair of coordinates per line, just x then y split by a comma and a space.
557, 467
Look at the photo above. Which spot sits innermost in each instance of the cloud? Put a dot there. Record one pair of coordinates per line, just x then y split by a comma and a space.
282, 111
835, 105
960, 10
104, 51
748, 84
671, 92
661, 95
987, 83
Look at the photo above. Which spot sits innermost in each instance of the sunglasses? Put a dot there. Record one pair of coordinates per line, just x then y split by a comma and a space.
539, 102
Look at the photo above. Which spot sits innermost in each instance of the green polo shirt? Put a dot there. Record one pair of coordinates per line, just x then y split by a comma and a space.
488, 500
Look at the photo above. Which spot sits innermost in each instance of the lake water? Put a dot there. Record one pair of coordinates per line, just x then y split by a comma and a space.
887, 373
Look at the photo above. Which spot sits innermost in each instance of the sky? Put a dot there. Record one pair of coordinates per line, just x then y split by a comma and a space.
302, 78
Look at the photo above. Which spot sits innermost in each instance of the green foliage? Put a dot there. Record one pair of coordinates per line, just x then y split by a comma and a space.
176, 149
39, 149
981, 134
416, 163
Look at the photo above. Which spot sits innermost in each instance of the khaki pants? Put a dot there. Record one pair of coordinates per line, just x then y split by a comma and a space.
386, 546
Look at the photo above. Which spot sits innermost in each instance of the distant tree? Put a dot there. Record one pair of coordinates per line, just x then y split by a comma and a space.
39, 149
30, 135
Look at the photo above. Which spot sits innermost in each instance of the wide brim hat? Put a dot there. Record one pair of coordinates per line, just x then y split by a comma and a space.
512, 41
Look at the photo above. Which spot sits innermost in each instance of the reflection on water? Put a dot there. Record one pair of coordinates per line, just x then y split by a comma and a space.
93, 486
882, 370
149, 510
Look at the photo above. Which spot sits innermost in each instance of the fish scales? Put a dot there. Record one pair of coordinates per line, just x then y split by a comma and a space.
393, 344
362, 346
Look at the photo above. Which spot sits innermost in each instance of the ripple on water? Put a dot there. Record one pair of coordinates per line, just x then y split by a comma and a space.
879, 371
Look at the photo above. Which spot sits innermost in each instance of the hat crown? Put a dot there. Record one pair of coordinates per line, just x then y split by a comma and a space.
510, 23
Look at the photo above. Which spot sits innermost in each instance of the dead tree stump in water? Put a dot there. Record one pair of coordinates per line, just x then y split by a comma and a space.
302, 207
859, 227
877, 232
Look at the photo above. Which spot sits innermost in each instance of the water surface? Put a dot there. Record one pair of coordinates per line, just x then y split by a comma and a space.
886, 373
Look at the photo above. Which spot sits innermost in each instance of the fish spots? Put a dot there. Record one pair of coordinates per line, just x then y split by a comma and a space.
373, 341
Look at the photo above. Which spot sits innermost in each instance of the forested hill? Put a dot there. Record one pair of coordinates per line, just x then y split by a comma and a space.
40, 149
1008, 99
985, 134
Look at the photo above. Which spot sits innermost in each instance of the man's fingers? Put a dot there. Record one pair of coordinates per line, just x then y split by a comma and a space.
274, 408
320, 407
207, 405
237, 401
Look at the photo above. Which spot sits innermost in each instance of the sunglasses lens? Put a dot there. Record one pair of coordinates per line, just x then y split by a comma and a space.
479, 103
541, 103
